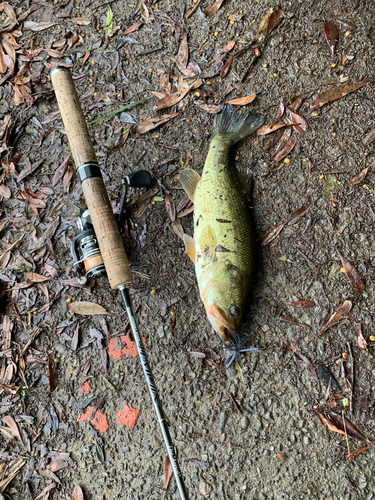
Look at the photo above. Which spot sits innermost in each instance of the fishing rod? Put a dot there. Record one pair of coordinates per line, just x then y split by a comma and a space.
100, 226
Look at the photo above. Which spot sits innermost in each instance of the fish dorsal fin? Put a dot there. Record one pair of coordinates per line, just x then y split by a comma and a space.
207, 243
189, 180
190, 247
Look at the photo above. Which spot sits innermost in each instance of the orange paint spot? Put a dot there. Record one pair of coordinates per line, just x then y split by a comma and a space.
85, 417
128, 416
100, 421
86, 388
117, 351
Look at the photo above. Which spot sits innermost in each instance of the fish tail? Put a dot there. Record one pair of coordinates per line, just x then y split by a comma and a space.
233, 127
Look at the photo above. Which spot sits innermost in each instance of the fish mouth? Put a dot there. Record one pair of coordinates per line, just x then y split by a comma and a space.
220, 321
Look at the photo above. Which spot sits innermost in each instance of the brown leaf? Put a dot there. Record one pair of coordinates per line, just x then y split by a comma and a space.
60, 171
86, 308
210, 108
337, 316
31, 25
210, 11
296, 216
5, 192
286, 149
122, 139
332, 35
178, 229
306, 363
9, 11
356, 453
168, 472
133, 27
358, 178
280, 112
80, 21
170, 207
171, 100
274, 19
352, 274
226, 68
54, 53
302, 123
304, 304
85, 57
336, 420
264, 23
242, 101
297, 102
182, 57
37, 278
10, 50
12, 424
3, 65
51, 376
44, 494
273, 234
335, 93
11, 474
77, 494
268, 129
367, 140
362, 344
291, 321
153, 122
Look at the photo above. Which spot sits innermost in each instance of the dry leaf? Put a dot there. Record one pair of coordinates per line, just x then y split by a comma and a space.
51, 376
297, 102
242, 101
304, 304
348, 428
168, 473
352, 274
332, 35
170, 207
210, 11
11, 474
60, 171
12, 424
367, 140
210, 108
178, 229
306, 363
335, 93
264, 22
133, 27
356, 453
182, 57
226, 68
153, 122
173, 99
273, 234
80, 21
268, 129
302, 123
274, 20
54, 53
86, 308
286, 149
362, 344
37, 278
358, 178
337, 316
5, 192
31, 25
77, 494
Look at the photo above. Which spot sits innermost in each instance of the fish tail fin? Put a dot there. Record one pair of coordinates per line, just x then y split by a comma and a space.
233, 126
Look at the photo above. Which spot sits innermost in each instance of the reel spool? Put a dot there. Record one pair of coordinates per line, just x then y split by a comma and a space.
88, 260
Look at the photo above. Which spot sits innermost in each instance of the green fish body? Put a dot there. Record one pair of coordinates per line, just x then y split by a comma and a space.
222, 247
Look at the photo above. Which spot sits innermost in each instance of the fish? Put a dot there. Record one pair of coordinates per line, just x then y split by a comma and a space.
222, 246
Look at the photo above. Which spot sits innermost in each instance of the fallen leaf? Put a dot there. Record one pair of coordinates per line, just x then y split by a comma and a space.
51, 376
5, 192
77, 494
337, 316
356, 453
31, 25
362, 344
133, 27
210, 11
335, 93
178, 229
242, 101
37, 278
171, 100
12, 424
60, 171
210, 108
332, 35
54, 53
288, 319
44, 494
367, 140
86, 308
226, 68
273, 234
296, 216
304, 304
306, 363
285, 150
268, 129
297, 102
274, 20
264, 23
358, 178
336, 420
168, 473
11, 474
352, 274
170, 207
182, 57
80, 21
153, 122
302, 123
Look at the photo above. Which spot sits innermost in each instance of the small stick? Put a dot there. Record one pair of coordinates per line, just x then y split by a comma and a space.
351, 375
193, 9
30, 341
346, 434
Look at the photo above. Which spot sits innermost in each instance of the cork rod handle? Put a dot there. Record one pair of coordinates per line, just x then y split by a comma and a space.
98, 204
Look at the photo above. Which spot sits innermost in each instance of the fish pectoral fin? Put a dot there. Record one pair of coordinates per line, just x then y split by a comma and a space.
207, 243
189, 180
190, 247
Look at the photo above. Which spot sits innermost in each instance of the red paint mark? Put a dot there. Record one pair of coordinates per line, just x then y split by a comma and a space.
85, 417
100, 422
128, 416
86, 388
117, 351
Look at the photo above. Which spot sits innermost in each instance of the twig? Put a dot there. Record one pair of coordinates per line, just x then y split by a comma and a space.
30, 341
193, 9
346, 434
13, 245
351, 375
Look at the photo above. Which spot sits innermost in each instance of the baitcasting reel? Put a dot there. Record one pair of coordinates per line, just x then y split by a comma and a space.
85, 250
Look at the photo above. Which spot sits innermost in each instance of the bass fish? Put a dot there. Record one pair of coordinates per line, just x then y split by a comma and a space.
222, 246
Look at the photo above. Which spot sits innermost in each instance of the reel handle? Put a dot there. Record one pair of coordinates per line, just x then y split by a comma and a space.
104, 222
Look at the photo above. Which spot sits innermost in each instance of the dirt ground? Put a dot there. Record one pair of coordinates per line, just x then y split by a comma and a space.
254, 435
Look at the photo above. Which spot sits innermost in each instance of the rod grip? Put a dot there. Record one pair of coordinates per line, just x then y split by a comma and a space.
98, 204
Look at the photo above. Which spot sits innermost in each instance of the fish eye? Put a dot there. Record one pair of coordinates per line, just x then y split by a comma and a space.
232, 269
234, 310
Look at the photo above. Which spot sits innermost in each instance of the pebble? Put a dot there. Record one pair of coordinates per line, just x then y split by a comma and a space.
126, 448
160, 331
212, 449
244, 422
306, 440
